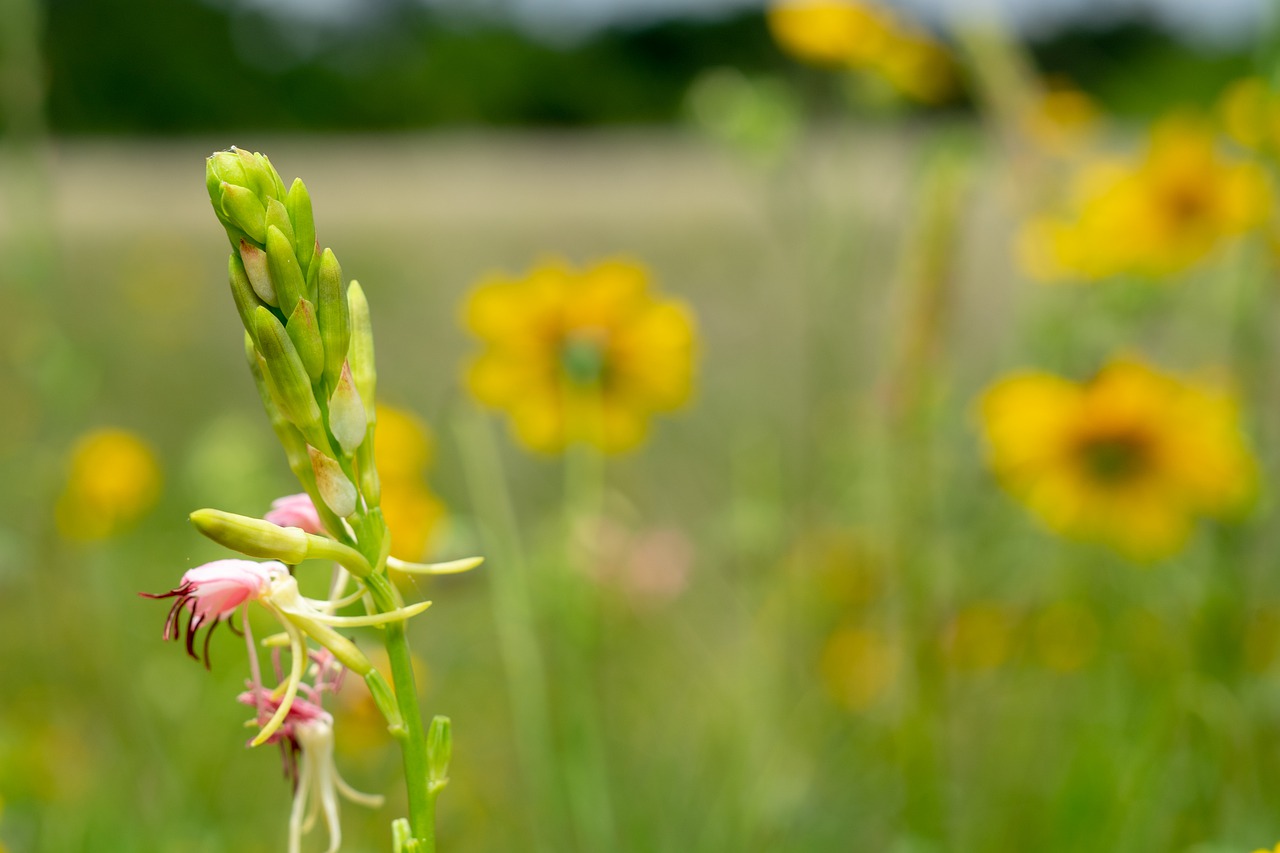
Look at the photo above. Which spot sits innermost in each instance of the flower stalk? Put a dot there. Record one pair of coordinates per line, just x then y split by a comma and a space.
309, 345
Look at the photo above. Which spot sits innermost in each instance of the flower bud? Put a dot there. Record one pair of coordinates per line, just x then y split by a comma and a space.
298, 203
288, 377
255, 266
278, 216
439, 751
242, 291
259, 174
361, 353
333, 315
223, 166
346, 413
305, 335
335, 489
243, 209
252, 537
286, 275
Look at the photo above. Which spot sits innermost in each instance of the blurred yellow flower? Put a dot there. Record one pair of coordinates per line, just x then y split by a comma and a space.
863, 36
1129, 458
859, 666
1275, 849
1061, 118
979, 637
580, 355
1066, 636
403, 453
113, 479
1153, 218
1250, 114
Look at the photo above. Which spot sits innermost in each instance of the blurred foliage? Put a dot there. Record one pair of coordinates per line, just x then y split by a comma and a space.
165, 66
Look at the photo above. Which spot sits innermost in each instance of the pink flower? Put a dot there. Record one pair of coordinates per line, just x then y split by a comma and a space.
295, 511
212, 592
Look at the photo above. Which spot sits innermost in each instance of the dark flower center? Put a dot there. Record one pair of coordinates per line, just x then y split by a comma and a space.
1115, 459
582, 358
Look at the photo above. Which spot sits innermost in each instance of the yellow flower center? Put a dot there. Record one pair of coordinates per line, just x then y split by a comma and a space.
1114, 459
1186, 202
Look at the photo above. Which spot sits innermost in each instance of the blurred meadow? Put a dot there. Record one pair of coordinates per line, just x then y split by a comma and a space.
932, 504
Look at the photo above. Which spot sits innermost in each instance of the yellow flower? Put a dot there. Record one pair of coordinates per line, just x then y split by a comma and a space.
1250, 114
113, 479
864, 36
1061, 118
1153, 218
1129, 458
859, 666
402, 453
831, 32
579, 355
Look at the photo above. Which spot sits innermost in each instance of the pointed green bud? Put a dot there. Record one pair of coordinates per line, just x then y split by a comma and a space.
298, 203
255, 266
257, 174
242, 291
252, 537
333, 314
224, 166
305, 335
439, 751
286, 275
334, 487
346, 413
278, 216
385, 699
277, 185
288, 378
361, 352
243, 209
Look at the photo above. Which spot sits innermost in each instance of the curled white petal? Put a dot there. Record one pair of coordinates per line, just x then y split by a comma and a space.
451, 567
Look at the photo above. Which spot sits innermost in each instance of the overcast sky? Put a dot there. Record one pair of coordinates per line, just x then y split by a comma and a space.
1206, 20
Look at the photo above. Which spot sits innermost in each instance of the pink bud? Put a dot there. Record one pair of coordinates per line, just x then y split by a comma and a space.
295, 511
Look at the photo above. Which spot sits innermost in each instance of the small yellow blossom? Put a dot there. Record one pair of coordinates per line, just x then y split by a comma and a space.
113, 479
1129, 458
1061, 118
403, 453
867, 37
1066, 636
580, 355
859, 666
1153, 218
1275, 849
1250, 114
979, 637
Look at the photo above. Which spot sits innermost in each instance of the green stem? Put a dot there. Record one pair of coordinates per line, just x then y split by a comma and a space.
413, 741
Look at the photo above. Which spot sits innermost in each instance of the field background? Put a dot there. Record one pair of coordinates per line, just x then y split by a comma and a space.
1012, 690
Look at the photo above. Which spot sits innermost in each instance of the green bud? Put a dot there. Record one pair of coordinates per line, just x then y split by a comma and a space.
252, 537
257, 174
333, 314
255, 266
361, 353
346, 413
298, 203
244, 210
224, 166
305, 335
334, 487
439, 751
385, 699
242, 292
286, 275
288, 377
278, 216
277, 185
